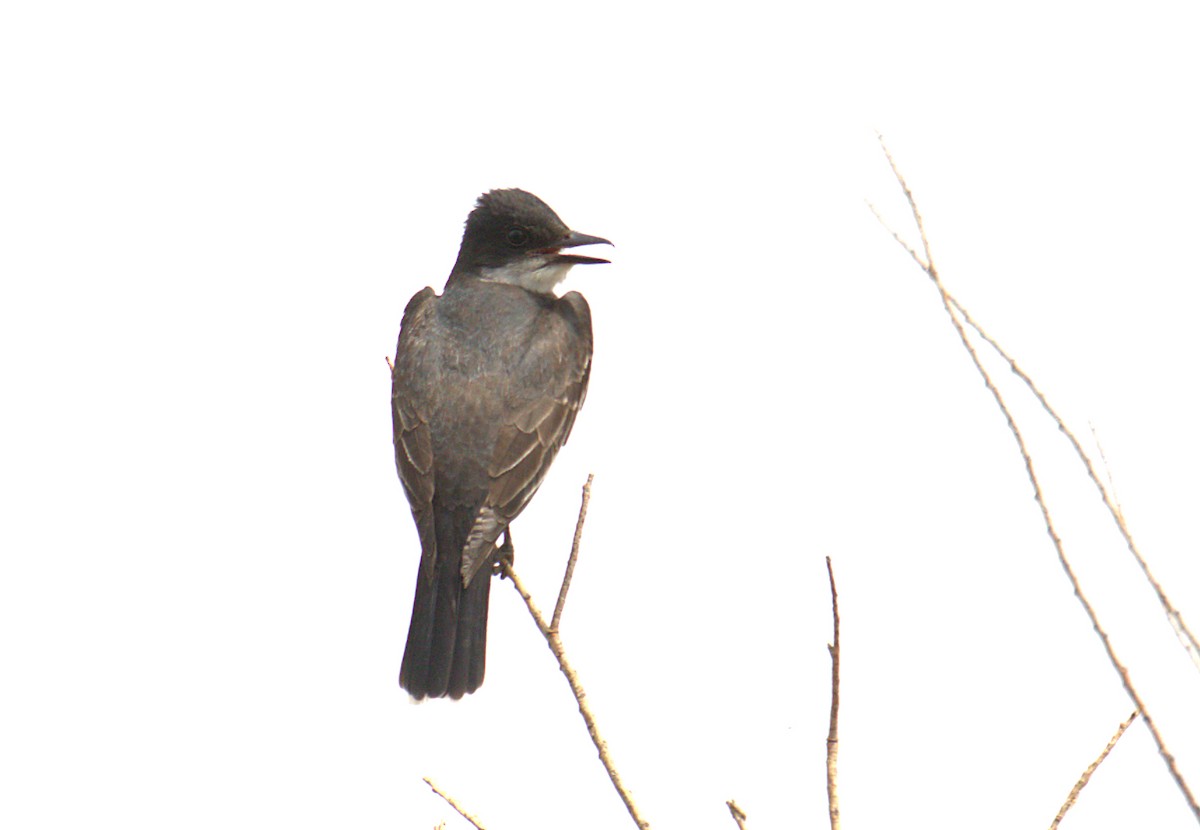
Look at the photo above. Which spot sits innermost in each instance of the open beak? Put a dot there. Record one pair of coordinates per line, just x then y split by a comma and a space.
575, 240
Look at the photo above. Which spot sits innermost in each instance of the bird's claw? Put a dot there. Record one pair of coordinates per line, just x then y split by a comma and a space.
504, 554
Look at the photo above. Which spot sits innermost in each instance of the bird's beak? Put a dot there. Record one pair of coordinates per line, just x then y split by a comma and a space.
575, 240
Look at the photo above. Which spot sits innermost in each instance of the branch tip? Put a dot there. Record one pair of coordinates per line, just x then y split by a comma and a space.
835, 682
474, 821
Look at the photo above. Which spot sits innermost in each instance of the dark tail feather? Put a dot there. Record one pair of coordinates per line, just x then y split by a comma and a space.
447, 637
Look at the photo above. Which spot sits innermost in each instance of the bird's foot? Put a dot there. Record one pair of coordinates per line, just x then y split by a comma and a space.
504, 553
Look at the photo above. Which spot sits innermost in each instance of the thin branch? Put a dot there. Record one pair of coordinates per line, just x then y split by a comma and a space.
953, 309
556, 646
928, 265
474, 821
391, 368
1182, 632
831, 743
1087, 773
566, 583
738, 815
896, 236
1111, 485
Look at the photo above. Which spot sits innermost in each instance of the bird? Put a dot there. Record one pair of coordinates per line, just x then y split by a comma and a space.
488, 378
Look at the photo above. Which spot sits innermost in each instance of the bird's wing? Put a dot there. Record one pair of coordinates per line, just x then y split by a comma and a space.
560, 364
410, 424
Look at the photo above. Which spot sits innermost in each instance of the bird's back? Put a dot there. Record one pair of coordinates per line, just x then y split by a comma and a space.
471, 359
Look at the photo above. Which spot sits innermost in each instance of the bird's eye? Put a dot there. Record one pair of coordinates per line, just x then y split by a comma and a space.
517, 237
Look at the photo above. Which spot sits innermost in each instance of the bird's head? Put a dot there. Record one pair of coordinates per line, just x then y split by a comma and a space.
514, 237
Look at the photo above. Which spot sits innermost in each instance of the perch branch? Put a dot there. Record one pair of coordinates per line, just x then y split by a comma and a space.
550, 634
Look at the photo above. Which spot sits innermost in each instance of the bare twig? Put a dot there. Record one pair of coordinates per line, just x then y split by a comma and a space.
1187, 639
566, 583
1087, 773
474, 821
1111, 485
896, 236
556, 646
1182, 632
831, 743
953, 310
391, 368
738, 815
1185, 635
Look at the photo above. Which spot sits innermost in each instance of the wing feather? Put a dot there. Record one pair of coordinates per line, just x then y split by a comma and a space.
411, 434
548, 391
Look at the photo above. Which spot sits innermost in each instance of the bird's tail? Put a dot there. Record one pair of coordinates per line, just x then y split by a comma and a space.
447, 637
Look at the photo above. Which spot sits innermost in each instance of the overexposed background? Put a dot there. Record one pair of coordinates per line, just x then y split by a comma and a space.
212, 216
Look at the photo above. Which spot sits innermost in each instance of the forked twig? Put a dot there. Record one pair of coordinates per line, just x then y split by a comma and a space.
953, 310
550, 633
1087, 773
474, 821
831, 742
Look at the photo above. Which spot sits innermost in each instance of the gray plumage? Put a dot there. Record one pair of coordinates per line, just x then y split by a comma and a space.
488, 379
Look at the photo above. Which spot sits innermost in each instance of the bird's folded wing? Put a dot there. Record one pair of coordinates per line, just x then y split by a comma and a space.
411, 435
533, 435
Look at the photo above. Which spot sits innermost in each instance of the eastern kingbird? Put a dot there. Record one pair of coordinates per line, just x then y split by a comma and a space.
488, 378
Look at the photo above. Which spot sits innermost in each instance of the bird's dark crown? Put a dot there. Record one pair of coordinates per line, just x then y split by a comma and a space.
505, 226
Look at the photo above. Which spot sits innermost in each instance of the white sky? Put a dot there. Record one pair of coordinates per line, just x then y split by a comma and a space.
211, 217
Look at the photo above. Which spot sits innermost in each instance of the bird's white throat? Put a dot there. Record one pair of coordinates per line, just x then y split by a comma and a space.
535, 273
